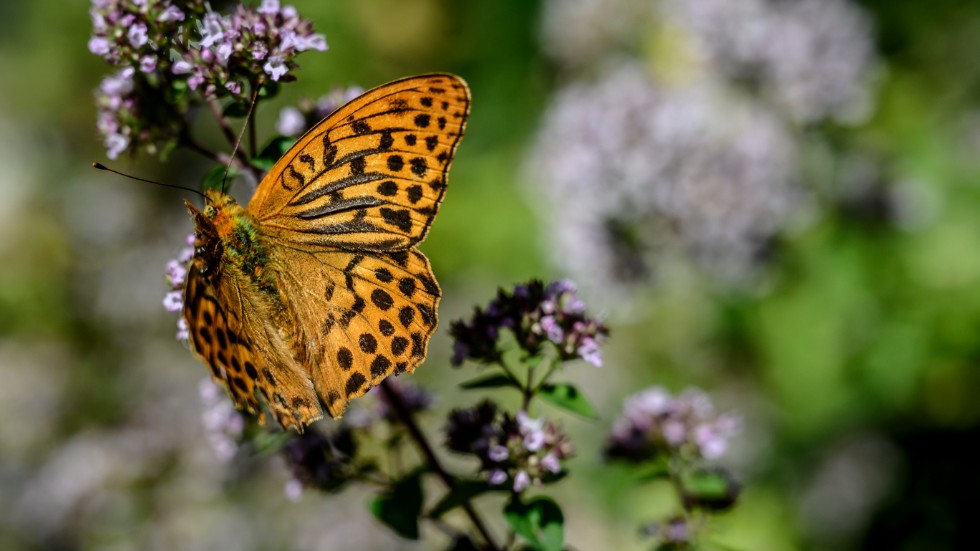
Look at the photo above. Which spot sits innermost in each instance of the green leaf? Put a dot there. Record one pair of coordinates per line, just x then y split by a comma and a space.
215, 177
464, 492
269, 90
540, 522
401, 505
710, 489
494, 380
568, 397
276, 148
266, 442
658, 469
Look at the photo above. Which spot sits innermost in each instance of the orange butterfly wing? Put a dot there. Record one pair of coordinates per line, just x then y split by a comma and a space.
336, 221
229, 331
370, 176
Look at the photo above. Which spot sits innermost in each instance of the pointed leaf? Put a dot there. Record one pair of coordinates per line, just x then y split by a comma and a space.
568, 397
401, 506
540, 522
712, 489
269, 90
494, 380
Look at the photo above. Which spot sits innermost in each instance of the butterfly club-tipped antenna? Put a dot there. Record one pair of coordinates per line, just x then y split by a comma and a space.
101, 166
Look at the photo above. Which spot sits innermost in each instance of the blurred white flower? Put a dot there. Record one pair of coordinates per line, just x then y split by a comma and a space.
629, 168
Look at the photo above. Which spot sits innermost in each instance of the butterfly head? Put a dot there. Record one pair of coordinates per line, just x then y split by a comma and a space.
210, 224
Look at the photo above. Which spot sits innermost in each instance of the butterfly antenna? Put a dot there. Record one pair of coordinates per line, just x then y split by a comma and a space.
241, 135
101, 166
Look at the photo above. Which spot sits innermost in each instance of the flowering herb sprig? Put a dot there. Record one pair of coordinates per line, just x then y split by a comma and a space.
675, 438
536, 315
171, 57
523, 337
514, 451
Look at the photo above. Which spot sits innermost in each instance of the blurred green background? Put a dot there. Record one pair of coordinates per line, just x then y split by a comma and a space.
848, 346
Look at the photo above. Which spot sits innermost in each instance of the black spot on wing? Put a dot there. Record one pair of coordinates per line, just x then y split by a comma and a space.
354, 383
419, 166
395, 163
414, 193
399, 218
388, 188
382, 299
345, 359
380, 366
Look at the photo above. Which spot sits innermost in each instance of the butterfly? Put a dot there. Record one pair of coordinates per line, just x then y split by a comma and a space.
315, 291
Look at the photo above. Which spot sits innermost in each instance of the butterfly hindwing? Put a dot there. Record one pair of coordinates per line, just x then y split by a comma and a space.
370, 176
226, 333
360, 316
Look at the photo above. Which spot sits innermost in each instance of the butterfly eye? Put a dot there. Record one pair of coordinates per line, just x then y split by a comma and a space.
210, 211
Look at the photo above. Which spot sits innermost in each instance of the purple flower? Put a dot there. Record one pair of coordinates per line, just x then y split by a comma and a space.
291, 122
170, 13
673, 532
497, 453
550, 463
183, 333
148, 64
519, 449
173, 301
269, 7
536, 315
115, 144
275, 67
521, 481
655, 423
182, 67
497, 477
98, 45
222, 422
293, 490
176, 273
189, 47
176, 277
259, 51
211, 29
532, 430
137, 35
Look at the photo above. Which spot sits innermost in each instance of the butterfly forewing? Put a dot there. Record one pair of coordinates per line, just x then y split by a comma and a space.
371, 175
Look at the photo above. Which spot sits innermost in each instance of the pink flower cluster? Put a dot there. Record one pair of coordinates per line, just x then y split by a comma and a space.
170, 58
654, 423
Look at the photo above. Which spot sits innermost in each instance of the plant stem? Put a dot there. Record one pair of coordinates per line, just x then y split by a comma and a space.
394, 398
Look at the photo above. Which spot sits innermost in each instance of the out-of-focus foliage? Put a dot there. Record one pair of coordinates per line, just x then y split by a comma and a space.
832, 301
